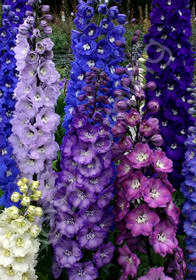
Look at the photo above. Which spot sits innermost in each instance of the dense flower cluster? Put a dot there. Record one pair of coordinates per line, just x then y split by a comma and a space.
170, 66
94, 45
188, 188
37, 91
12, 17
18, 244
144, 211
84, 188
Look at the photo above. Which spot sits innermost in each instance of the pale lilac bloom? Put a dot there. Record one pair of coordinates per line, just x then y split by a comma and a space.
82, 271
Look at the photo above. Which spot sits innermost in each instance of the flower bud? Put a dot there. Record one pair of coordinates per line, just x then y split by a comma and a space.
120, 71
35, 185
34, 231
153, 106
25, 201
157, 140
31, 218
135, 39
48, 17
120, 44
81, 97
23, 188
137, 33
43, 23
119, 92
38, 211
13, 212
150, 86
121, 106
36, 195
24, 180
45, 8
47, 30
15, 197
31, 210
125, 82
24, 28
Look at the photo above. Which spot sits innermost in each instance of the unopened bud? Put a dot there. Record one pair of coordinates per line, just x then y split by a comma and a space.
153, 106
157, 140
15, 197
135, 39
23, 188
81, 97
45, 8
120, 44
13, 212
120, 71
31, 210
137, 33
121, 106
38, 211
125, 82
24, 180
36, 195
25, 201
47, 30
35, 185
150, 86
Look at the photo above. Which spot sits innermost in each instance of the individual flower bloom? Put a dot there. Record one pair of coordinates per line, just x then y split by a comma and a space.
156, 194
140, 156
29, 72
113, 12
80, 22
102, 9
69, 224
88, 134
91, 215
22, 90
37, 96
106, 25
145, 128
81, 198
45, 151
135, 185
67, 146
4, 35
103, 144
51, 96
48, 44
125, 143
88, 12
61, 200
128, 260
86, 46
47, 72
8, 62
21, 49
82, 271
92, 169
20, 225
133, 118
30, 110
67, 253
90, 237
32, 57
124, 169
119, 129
91, 31
105, 196
161, 163
103, 49
153, 273
104, 254
116, 34
141, 220
173, 212
163, 238
121, 207
97, 184
79, 121
29, 165
47, 119
189, 228
19, 148
28, 135
40, 48
121, 18
83, 152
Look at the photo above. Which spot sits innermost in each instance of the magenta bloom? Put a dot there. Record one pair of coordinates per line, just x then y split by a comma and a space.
163, 238
154, 274
135, 185
133, 118
129, 261
124, 169
141, 220
156, 195
161, 163
140, 156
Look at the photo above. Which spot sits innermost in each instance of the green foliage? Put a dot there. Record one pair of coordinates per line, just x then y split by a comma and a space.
60, 36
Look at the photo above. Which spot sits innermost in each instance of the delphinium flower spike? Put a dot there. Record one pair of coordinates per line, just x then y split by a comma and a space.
94, 45
170, 66
18, 232
37, 91
144, 211
11, 19
84, 189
